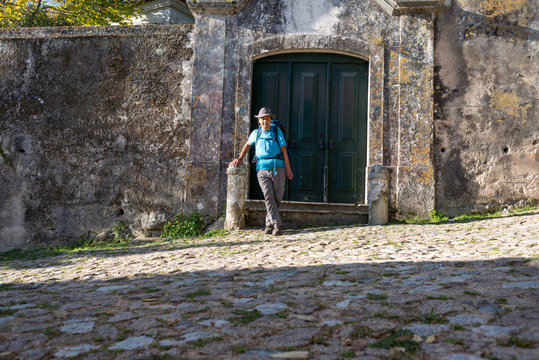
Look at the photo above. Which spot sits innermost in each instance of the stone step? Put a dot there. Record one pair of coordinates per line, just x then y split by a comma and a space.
295, 213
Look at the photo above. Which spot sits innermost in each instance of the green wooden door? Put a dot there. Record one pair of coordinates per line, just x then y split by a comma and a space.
347, 138
322, 99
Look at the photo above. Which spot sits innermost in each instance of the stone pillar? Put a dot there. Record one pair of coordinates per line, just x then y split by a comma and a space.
205, 173
235, 198
378, 195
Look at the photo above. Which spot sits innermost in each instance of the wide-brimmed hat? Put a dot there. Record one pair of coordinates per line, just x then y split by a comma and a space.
265, 111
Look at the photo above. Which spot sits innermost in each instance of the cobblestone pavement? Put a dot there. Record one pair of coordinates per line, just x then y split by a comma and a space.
466, 290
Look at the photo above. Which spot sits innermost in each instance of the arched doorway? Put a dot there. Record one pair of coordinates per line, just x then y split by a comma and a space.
322, 99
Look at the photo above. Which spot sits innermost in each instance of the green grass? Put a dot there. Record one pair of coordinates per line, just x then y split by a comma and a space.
183, 226
372, 296
282, 315
49, 306
244, 317
239, 349
436, 217
454, 341
199, 292
7, 312
5, 158
515, 341
402, 338
348, 354
432, 318
151, 290
7, 286
52, 332
213, 233
117, 238
441, 297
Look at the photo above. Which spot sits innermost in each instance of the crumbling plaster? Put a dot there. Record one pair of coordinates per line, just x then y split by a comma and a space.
93, 125
400, 54
487, 105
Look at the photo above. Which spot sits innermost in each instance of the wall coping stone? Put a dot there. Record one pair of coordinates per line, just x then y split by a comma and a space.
401, 7
216, 7
90, 31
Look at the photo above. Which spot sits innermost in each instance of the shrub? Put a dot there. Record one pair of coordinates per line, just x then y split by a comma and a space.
182, 227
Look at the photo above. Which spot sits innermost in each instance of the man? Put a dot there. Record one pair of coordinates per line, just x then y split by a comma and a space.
271, 164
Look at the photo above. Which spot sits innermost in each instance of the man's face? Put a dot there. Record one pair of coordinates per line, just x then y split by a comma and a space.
265, 122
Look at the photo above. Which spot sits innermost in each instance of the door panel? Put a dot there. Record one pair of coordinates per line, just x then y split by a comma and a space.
307, 121
322, 99
271, 89
348, 129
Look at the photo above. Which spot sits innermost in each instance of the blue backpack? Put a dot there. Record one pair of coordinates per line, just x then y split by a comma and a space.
274, 125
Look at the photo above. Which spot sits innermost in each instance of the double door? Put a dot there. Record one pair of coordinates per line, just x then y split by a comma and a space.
322, 99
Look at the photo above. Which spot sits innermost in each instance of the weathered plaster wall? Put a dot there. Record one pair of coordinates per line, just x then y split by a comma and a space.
400, 126
94, 128
487, 104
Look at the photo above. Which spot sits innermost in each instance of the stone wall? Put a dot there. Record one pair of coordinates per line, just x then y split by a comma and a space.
94, 129
399, 51
487, 105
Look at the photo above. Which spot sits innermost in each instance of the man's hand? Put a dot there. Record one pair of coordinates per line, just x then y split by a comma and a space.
289, 174
237, 162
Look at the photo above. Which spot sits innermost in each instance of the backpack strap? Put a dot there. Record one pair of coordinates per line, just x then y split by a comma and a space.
256, 142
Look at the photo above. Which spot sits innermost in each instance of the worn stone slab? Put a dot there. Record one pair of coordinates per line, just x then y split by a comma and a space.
291, 337
494, 331
78, 327
75, 350
132, 343
270, 309
428, 329
468, 319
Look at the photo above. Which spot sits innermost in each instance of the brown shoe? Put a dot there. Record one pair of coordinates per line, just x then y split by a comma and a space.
277, 231
268, 230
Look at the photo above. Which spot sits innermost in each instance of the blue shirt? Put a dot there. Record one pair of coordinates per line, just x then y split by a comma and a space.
267, 149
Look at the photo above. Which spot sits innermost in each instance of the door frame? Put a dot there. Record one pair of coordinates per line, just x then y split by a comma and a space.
372, 53
282, 103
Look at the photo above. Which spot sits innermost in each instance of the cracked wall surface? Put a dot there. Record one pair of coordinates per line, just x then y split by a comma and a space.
487, 105
134, 124
94, 125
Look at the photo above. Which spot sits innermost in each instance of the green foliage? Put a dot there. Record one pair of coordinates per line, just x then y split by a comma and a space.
432, 318
441, 297
515, 341
239, 349
199, 292
7, 312
32, 13
118, 237
245, 317
348, 354
372, 296
52, 332
7, 160
215, 232
183, 227
436, 216
401, 338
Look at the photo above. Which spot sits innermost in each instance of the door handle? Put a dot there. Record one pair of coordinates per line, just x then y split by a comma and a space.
331, 143
292, 141
322, 146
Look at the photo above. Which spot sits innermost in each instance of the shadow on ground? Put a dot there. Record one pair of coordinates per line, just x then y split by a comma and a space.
448, 310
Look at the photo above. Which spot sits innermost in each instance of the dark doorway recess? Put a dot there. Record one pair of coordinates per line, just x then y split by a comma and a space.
322, 99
